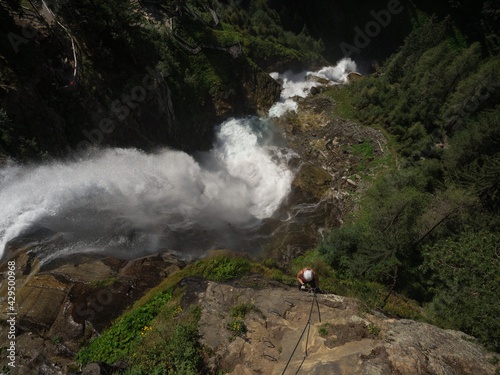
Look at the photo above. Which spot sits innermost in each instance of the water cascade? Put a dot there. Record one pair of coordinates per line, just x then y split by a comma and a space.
127, 203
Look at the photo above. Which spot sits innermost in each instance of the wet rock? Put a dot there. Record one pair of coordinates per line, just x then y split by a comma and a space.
351, 182
57, 304
354, 76
312, 181
33, 236
83, 273
324, 179
98, 369
39, 301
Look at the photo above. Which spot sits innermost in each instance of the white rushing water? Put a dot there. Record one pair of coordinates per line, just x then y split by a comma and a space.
243, 179
300, 84
124, 200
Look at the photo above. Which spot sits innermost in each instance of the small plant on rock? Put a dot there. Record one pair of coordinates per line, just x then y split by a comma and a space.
241, 310
238, 327
373, 329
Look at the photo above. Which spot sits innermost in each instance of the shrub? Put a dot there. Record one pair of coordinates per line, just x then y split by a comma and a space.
118, 340
237, 326
241, 310
222, 268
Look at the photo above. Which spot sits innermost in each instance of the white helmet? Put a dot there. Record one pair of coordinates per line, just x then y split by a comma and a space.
308, 275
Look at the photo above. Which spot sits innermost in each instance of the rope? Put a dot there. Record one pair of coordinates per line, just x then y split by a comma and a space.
301, 363
308, 326
317, 304
307, 340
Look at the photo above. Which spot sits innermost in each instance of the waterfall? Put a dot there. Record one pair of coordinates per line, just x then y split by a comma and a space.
127, 202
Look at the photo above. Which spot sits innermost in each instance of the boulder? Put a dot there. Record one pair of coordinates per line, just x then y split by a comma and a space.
59, 303
286, 329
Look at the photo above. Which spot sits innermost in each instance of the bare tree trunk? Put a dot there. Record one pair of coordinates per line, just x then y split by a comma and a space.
394, 278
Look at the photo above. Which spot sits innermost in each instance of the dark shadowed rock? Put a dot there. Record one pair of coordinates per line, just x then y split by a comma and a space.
60, 304
98, 369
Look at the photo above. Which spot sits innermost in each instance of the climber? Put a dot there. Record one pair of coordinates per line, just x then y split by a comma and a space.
308, 276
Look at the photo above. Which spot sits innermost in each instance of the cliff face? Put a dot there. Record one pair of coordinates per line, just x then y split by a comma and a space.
63, 90
63, 304
278, 329
326, 334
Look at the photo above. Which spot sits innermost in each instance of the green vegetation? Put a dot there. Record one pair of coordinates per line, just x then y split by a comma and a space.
343, 97
258, 28
221, 268
237, 313
373, 329
465, 273
237, 326
172, 346
365, 152
56, 340
156, 336
323, 330
241, 310
121, 339
428, 229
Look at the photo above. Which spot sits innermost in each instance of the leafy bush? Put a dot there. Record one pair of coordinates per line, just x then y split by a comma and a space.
427, 230
118, 341
466, 280
323, 330
179, 353
240, 311
373, 329
222, 268
237, 326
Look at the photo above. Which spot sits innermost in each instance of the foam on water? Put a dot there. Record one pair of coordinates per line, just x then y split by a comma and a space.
336, 74
124, 200
300, 84
241, 181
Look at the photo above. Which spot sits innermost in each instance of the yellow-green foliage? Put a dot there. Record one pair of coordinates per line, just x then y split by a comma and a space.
171, 345
372, 294
237, 326
404, 307
342, 95
119, 341
373, 329
241, 310
221, 268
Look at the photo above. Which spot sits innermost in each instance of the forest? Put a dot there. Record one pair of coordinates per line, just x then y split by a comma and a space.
428, 227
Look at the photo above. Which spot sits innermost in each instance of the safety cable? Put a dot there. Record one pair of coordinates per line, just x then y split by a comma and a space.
301, 363
308, 325
317, 304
